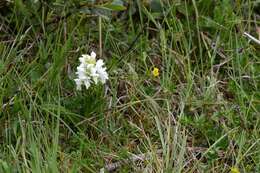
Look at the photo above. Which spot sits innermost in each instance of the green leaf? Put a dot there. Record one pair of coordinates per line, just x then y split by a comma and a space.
116, 5
2, 66
156, 6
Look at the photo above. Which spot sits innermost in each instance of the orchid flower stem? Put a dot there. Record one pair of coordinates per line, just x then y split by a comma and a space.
100, 35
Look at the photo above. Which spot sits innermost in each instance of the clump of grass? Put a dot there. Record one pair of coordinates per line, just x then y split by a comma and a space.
183, 93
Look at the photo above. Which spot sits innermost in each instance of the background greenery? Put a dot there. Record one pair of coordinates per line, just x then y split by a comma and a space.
202, 114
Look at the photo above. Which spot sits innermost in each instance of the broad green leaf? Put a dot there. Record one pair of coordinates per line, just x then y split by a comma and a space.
116, 5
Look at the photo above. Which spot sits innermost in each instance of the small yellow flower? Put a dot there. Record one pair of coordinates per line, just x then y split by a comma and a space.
234, 170
155, 72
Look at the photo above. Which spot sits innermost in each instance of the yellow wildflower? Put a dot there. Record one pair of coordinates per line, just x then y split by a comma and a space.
155, 72
234, 170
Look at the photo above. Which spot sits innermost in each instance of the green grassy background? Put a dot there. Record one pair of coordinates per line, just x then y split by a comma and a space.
201, 114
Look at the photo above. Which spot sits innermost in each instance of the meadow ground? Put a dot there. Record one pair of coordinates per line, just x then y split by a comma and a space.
200, 113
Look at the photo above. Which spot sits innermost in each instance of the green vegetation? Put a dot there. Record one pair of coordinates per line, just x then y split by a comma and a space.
201, 114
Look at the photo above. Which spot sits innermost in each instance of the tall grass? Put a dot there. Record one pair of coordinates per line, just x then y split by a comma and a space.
201, 114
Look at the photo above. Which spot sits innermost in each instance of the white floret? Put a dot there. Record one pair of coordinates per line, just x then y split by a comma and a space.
90, 71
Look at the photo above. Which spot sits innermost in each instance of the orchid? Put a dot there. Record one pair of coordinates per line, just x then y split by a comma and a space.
90, 71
